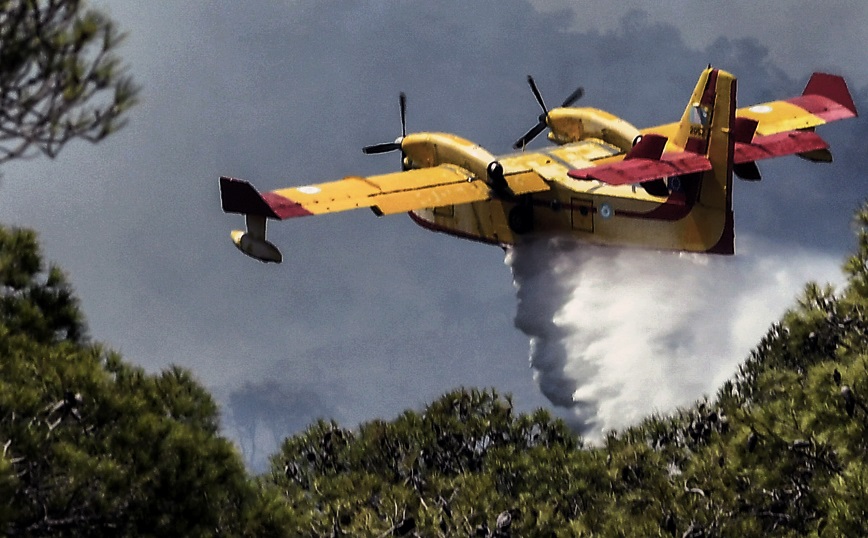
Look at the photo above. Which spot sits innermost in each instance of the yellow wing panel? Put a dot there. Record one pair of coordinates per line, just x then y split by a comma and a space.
413, 189
436, 196
779, 116
772, 118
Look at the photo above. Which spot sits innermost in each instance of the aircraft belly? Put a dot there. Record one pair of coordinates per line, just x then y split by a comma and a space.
697, 231
479, 221
596, 220
628, 222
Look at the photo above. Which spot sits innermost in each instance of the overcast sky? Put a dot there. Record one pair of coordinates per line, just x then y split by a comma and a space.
367, 316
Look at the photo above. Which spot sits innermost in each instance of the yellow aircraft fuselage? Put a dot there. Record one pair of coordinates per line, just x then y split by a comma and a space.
697, 220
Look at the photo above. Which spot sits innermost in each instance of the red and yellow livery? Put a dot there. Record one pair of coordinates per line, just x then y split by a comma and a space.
605, 182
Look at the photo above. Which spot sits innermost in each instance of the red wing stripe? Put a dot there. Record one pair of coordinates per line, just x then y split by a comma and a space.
239, 196
284, 208
823, 107
777, 145
633, 171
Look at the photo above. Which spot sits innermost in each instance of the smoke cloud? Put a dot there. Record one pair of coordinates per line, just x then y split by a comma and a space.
619, 334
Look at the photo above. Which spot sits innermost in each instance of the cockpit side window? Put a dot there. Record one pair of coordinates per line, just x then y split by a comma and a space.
701, 115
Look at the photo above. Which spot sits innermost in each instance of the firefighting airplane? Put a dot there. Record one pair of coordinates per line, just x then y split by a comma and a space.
606, 182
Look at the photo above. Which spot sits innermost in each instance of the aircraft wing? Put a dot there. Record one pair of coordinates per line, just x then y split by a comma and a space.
786, 127
649, 170
632, 171
825, 99
778, 145
647, 165
386, 194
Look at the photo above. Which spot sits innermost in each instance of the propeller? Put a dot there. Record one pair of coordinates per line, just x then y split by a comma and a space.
543, 123
386, 147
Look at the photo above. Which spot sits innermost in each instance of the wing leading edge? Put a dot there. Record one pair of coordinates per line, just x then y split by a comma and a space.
384, 194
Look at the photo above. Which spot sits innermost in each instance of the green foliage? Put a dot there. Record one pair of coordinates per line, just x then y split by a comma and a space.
59, 77
453, 469
857, 266
37, 302
92, 445
780, 451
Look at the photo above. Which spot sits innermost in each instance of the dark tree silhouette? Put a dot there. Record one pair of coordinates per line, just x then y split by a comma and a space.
59, 77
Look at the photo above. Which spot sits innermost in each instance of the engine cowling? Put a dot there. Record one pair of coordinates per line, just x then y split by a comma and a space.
573, 124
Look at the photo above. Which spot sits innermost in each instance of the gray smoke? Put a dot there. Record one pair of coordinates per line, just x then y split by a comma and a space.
619, 334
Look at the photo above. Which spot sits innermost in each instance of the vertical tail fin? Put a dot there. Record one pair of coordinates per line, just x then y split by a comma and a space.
705, 129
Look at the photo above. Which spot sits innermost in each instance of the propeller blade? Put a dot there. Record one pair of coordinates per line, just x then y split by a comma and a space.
386, 147
381, 148
402, 101
575, 96
538, 95
530, 135
543, 119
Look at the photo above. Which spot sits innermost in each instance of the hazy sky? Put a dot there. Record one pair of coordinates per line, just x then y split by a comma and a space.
368, 316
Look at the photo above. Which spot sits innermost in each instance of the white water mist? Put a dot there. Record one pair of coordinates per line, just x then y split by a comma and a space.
619, 334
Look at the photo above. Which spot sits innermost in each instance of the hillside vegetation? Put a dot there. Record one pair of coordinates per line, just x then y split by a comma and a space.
781, 450
92, 445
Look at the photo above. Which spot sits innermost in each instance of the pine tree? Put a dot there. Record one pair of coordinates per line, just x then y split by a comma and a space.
92, 445
59, 77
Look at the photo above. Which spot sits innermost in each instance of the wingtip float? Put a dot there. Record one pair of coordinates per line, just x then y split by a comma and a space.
239, 196
667, 187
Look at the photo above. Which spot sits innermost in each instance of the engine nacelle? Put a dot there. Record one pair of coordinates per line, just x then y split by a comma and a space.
255, 247
573, 124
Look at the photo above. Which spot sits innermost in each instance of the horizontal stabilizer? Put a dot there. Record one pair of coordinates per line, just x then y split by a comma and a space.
817, 156
825, 99
638, 170
778, 145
